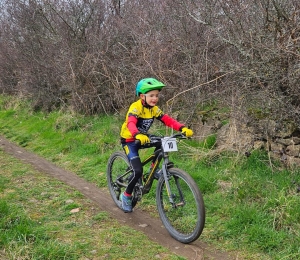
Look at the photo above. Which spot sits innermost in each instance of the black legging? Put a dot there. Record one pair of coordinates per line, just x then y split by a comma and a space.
137, 173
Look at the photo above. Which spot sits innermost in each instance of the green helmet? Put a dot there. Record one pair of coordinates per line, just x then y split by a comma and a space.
148, 84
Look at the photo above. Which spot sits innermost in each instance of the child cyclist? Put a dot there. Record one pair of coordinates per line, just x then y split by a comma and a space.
139, 119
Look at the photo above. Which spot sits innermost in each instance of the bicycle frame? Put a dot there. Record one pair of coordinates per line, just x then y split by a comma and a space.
160, 155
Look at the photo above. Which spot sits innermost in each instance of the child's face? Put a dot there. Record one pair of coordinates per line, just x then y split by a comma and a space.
151, 97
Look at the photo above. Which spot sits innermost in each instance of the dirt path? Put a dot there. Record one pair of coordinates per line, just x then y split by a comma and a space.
139, 220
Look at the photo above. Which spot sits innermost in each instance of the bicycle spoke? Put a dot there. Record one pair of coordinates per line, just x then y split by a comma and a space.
185, 218
118, 165
184, 214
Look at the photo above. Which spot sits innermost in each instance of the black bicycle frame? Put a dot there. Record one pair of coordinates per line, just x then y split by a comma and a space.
158, 155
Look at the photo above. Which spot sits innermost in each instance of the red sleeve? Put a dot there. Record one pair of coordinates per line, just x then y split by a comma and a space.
131, 125
171, 122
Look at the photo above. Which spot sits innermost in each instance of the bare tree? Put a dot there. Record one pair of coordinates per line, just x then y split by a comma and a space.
90, 54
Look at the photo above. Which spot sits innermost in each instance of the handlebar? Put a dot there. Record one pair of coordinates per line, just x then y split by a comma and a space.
154, 139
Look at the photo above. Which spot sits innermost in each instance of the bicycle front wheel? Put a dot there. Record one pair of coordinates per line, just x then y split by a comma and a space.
117, 165
185, 219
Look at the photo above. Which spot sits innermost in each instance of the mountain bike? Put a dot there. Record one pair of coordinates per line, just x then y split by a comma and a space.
178, 199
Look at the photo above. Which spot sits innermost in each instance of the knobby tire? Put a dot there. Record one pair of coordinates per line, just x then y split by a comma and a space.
117, 165
185, 222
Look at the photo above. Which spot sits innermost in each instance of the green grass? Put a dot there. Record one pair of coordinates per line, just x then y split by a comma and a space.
36, 222
251, 208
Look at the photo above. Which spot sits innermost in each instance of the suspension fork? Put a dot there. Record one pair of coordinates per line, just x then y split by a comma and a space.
164, 169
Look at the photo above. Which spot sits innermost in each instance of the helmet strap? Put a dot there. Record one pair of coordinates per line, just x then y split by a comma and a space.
144, 102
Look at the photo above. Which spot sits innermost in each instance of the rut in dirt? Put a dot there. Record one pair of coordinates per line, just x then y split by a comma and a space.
138, 220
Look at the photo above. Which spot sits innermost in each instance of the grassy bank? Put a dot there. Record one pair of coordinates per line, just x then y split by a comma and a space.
41, 218
251, 208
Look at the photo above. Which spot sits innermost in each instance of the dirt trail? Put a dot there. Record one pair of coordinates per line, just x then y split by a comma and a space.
138, 220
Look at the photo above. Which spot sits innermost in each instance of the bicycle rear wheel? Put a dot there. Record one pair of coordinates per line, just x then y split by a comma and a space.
117, 165
185, 219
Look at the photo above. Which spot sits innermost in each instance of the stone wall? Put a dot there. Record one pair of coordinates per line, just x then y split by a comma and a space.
282, 141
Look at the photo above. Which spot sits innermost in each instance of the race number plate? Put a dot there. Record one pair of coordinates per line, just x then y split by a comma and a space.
169, 144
